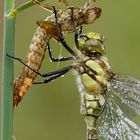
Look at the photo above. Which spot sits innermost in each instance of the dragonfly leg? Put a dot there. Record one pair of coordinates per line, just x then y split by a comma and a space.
54, 75
44, 74
75, 30
60, 58
21, 61
48, 7
47, 74
61, 37
42, 5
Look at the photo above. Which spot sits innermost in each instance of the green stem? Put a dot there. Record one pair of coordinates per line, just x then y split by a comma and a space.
8, 73
22, 8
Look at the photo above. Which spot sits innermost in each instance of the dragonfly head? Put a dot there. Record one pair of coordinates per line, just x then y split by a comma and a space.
91, 43
89, 15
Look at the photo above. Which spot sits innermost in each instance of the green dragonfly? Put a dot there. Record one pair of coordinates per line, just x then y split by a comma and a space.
106, 97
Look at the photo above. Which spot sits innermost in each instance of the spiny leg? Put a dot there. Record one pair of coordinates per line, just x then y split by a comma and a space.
58, 59
46, 74
18, 59
61, 37
75, 30
55, 75
42, 5
80, 30
48, 7
52, 75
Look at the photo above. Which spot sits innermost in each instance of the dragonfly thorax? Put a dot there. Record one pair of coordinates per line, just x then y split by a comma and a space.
94, 74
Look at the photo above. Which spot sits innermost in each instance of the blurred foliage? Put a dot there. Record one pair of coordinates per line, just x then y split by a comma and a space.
52, 111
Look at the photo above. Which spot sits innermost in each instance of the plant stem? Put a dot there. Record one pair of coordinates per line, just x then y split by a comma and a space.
22, 8
8, 73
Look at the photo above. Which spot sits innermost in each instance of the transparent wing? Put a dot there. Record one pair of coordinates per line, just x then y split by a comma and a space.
114, 125
127, 89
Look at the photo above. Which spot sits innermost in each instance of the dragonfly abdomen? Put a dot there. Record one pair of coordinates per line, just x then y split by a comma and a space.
92, 107
33, 60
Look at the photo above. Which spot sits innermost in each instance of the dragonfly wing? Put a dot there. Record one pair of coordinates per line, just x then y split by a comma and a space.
50, 28
127, 89
114, 125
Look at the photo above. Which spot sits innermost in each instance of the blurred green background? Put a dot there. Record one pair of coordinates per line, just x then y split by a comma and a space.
52, 111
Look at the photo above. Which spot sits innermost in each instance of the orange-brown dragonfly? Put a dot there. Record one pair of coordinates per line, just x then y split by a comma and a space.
47, 29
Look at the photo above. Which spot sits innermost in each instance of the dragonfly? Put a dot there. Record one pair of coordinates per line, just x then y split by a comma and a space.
47, 29
106, 97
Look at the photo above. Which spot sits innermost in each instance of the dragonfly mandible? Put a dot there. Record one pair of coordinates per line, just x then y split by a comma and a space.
47, 29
